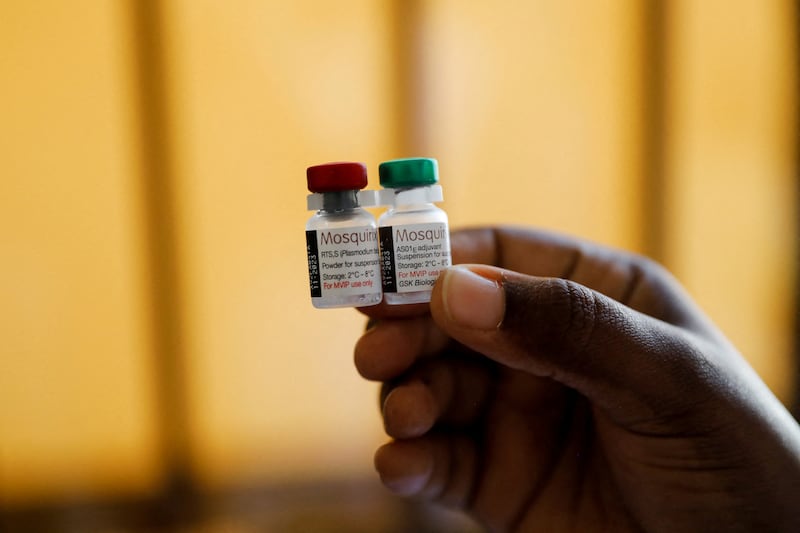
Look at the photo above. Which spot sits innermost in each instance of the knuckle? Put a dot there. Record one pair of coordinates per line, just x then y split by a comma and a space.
558, 317
576, 316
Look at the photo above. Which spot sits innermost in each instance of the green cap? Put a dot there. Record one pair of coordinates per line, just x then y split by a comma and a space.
408, 173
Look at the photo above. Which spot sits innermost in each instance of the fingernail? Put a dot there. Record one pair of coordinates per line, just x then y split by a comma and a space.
471, 300
405, 467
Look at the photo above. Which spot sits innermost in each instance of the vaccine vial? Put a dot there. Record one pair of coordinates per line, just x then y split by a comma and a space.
341, 238
413, 233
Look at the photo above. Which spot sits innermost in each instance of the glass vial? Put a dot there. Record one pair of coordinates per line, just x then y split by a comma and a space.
341, 238
414, 235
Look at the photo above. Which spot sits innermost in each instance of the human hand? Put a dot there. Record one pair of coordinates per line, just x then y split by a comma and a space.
575, 388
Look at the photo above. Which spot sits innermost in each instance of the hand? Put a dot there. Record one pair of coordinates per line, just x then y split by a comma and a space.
573, 387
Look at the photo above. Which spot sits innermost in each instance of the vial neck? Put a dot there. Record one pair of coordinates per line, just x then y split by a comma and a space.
416, 198
339, 201
416, 206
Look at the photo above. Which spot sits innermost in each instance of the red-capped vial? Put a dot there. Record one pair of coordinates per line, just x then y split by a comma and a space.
341, 237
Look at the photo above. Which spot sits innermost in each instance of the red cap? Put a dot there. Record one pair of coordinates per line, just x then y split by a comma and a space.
332, 177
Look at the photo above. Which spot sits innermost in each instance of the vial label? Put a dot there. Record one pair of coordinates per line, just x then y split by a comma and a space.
413, 255
343, 262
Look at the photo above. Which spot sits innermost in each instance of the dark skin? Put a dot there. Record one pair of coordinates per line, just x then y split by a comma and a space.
556, 385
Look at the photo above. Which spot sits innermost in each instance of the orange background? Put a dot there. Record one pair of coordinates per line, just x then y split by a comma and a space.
154, 294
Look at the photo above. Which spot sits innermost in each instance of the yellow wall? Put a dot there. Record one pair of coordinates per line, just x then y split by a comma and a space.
731, 172
258, 93
533, 109
76, 403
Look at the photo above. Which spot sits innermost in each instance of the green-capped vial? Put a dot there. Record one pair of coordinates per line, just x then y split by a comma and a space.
413, 233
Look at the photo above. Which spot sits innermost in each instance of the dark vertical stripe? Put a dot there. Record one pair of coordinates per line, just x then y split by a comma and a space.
408, 48
654, 109
796, 107
157, 185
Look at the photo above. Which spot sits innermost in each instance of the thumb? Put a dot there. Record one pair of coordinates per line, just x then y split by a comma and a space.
631, 365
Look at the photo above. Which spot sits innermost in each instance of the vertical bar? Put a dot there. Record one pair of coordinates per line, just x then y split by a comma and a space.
406, 41
157, 178
655, 16
796, 351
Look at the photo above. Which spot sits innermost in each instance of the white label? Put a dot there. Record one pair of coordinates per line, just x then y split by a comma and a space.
413, 255
344, 263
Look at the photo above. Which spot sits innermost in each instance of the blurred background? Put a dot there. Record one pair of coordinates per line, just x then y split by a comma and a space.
161, 366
